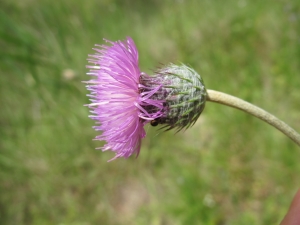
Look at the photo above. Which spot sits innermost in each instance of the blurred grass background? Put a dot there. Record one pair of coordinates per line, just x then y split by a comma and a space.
229, 168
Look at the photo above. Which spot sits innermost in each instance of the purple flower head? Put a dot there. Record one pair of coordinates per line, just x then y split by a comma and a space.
118, 99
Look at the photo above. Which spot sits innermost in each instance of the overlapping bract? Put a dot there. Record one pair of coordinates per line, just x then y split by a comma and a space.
184, 95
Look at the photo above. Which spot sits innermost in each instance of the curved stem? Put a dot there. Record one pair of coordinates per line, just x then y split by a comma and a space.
225, 99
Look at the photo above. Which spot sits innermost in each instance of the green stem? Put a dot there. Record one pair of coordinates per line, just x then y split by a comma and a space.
225, 99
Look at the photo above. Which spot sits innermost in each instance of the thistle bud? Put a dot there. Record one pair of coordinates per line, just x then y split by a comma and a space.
182, 92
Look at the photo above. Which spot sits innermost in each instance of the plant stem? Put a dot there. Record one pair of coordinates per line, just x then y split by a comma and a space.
229, 100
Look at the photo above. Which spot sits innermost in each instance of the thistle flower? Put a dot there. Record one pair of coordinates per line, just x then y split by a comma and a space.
119, 99
124, 99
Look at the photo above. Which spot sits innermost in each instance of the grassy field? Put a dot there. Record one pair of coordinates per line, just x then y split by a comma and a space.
229, 169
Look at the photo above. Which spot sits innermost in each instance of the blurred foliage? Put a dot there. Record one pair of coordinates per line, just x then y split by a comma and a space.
229, 168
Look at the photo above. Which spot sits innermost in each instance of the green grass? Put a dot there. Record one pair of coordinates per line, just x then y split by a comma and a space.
229, 168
